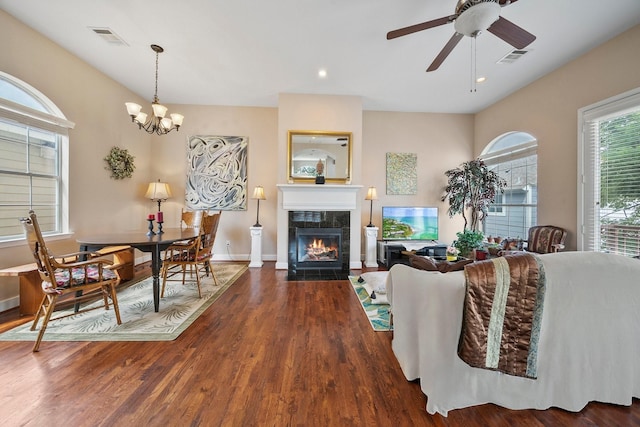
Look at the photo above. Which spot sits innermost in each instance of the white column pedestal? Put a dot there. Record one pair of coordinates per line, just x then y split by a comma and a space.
371, 238
256, 247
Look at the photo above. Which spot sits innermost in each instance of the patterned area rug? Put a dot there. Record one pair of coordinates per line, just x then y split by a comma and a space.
178, 309
378, 314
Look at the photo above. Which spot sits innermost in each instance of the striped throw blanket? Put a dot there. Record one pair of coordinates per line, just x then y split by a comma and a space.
502, 314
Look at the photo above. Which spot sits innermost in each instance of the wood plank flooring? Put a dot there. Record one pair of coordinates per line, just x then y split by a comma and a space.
268, 352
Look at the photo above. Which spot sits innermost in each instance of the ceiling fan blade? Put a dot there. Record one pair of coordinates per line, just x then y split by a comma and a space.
511, 33
506, 2
419, 27
446, 50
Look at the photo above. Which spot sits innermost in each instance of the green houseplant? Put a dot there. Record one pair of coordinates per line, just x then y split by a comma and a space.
472, 186
467, 241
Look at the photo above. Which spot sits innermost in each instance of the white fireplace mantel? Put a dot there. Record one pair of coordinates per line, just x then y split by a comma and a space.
324, 197
318, 197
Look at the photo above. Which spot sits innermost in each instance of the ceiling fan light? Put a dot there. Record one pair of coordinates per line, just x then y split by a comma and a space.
159, 110
476, 19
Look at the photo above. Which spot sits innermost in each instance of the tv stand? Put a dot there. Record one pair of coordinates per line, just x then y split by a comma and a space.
390, 252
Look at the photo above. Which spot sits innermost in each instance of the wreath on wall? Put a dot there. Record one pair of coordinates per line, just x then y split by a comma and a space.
120, 163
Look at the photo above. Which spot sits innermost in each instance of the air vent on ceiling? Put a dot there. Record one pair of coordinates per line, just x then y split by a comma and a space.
108, 35
512, 56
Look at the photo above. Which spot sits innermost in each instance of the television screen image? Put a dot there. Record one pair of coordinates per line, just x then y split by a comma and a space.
409, 223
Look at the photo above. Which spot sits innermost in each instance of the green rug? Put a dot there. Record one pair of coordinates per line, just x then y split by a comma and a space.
179, 308
378, 314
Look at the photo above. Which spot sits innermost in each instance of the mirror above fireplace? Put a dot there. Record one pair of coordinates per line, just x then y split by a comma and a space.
319, 153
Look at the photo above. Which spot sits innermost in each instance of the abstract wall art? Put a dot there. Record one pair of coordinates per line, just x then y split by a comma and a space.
402, 175
217, 173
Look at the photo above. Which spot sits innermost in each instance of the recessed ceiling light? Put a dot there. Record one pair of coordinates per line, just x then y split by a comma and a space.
322, 73
481, 79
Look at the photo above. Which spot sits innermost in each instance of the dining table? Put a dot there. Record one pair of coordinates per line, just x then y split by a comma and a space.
141, 240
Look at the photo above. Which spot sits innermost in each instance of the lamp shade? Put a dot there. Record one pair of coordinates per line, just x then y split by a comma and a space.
258, 193
371, 194
158, 191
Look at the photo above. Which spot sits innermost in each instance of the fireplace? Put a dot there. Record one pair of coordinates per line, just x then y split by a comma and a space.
318, 245
318, 248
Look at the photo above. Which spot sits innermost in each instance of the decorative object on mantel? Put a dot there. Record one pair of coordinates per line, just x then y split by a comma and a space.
472, 186
371, 195
217, 173
402, 175
120, 163
319, 179
157, 123
258, 194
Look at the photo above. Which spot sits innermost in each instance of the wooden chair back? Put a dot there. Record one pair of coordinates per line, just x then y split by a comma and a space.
192, 219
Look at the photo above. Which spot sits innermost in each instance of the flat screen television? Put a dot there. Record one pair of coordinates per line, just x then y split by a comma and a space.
409, 223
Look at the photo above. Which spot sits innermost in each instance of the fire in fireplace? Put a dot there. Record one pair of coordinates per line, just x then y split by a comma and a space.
318, 248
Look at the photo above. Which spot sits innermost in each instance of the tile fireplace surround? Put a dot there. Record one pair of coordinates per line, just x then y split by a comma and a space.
324, 197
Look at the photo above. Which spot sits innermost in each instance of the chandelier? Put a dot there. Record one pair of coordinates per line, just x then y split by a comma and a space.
157, 123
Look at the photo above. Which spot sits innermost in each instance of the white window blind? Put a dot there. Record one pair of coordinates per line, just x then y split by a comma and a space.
609, 210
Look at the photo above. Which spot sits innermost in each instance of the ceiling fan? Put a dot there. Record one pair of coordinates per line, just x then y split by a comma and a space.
472, 17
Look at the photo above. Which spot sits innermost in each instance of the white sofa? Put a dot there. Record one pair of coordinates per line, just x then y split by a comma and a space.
589, 341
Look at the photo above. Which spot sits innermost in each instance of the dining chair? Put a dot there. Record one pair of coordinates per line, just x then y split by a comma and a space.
68, 279
210, 224
195, 253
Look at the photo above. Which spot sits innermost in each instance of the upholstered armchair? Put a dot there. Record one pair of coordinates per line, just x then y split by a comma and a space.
544, 239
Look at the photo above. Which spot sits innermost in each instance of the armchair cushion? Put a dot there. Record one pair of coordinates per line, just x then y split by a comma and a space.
69, 277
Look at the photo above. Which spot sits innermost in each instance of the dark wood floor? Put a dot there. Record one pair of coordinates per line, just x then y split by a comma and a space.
269, 352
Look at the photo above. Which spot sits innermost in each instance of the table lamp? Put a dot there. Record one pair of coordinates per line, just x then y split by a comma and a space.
371, 195
158, 192
258, 194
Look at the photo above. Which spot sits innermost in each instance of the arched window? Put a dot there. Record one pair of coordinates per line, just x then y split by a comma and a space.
514, 157
33, 159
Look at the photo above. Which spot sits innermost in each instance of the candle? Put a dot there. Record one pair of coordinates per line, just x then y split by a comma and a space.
151, 217
160, 217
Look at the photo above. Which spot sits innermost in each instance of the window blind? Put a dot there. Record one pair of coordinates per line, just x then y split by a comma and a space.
610, 187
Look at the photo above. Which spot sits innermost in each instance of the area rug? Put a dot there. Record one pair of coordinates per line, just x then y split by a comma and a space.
179, 308
378, 314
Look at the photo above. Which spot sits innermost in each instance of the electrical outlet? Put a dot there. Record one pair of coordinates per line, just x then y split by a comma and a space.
228, 243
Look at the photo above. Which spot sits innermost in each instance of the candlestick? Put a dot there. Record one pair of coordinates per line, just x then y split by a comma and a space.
160, 227
150, 232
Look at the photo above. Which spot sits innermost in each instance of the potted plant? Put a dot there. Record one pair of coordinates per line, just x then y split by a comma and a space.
472, 186
467, 241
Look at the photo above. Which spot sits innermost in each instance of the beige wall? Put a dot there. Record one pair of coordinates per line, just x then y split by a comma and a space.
441, 142
548, 110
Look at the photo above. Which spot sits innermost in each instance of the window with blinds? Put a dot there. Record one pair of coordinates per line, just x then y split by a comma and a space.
610, 189
33, 147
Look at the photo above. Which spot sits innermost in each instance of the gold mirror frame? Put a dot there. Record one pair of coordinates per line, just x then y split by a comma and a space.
306, 149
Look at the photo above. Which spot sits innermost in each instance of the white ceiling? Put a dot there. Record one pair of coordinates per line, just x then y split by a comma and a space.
246, 52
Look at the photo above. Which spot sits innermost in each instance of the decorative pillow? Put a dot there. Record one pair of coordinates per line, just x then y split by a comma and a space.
428, 264
423, 263
377, 280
